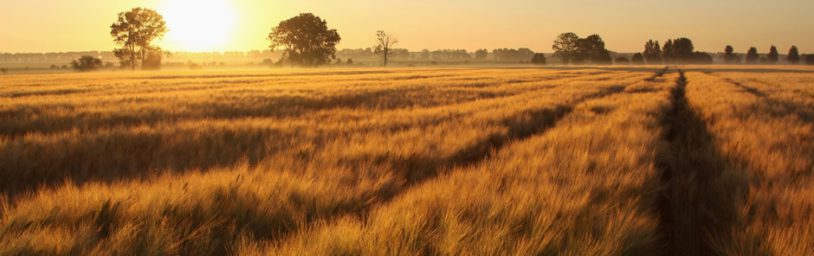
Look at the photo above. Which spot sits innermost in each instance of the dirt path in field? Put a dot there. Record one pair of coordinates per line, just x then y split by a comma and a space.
695, 205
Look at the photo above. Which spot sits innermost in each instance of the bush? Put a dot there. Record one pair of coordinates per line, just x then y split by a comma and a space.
3, 70
538, 59
622, 61
86, 63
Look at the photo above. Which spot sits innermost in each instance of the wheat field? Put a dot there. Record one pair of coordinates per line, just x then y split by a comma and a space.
695, 160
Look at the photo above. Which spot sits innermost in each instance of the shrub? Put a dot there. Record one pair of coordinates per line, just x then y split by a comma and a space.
538, 59
86, 63
622, 61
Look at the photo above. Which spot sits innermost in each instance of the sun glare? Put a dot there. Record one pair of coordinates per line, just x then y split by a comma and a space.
198, 25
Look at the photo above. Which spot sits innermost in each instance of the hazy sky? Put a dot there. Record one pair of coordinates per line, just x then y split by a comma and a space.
74, 25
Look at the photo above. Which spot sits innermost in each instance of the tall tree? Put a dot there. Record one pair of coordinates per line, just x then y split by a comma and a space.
683, 49
652, 52
773, 55
565, 46
794, 55
384, 45
593, 49
134, 32
668, 52
305, 39
752, 56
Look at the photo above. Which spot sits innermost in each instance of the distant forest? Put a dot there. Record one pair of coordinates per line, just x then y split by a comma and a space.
362, 56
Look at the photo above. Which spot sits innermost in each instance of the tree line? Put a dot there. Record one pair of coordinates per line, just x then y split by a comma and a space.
306, 40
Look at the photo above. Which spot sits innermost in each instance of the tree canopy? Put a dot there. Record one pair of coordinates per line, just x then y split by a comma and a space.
566, 46
306, 40
134, 32
730, 56
575, 50
752, 56
652, 52
773, 55
794, 55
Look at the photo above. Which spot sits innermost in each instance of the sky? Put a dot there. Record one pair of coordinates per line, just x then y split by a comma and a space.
241, 25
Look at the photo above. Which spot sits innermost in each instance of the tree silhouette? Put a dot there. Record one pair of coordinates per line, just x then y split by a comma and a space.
683, 50
773, 56
652, 52
384, 45
593, 48
730, 56
538, 59
481, 54
134, 31
305, 39
794, 55
86, 63
752, 56
566, 46
668, 52
638, 59
622, 61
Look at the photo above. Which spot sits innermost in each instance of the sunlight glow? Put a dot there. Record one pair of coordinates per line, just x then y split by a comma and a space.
199, 25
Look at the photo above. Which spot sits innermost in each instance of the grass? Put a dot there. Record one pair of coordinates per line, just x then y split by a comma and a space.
596, 161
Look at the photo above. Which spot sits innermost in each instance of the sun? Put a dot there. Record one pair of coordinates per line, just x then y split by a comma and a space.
198, 25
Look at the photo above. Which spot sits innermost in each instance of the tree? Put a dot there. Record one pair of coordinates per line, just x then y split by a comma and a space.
538, 59
652, 52
683, 49
638, 59
86, 63
565, 46
668, 53
622, 61
593, 48
134, 32
773, 56
752, 56
384, 45
481, 54
794, 55
730, 56
306, 40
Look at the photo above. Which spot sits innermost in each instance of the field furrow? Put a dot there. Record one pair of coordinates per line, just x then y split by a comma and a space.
765, 172
532, 197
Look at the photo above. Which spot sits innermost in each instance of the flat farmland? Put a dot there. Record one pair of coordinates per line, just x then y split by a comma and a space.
696, 160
